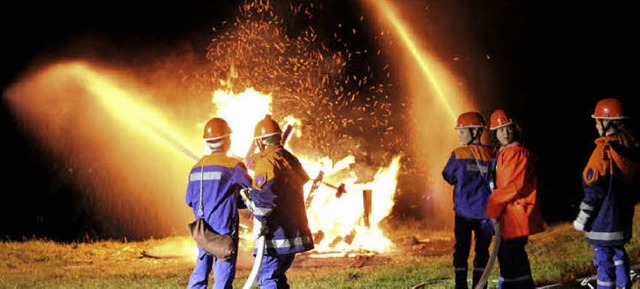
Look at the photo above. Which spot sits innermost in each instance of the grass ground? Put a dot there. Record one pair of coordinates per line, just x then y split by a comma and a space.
422, 255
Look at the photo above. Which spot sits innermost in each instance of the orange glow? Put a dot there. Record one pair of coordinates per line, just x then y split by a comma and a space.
253, 106
339, 220
101, 100
112, 143
423, 60
436, 101
120, 144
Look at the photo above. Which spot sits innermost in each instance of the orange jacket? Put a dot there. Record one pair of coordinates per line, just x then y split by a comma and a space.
514, 201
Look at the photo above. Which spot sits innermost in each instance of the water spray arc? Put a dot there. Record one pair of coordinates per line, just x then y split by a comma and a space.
388, 12
122, 105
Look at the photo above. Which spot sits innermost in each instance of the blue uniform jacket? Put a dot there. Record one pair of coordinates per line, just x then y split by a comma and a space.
610, 192
278, 196
220, 178
468, 171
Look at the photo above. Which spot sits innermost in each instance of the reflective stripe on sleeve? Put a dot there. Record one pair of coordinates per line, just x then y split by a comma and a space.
288, 243
259, 211
206, 176
584, 206
605, 236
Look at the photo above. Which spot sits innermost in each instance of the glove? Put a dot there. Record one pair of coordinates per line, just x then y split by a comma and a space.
578, 225
259, 228
244, 193
581, 220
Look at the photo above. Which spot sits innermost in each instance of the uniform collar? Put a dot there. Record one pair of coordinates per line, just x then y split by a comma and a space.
606, 139
271, 149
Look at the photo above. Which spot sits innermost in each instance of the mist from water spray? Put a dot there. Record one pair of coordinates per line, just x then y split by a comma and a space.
111, 143
436, 102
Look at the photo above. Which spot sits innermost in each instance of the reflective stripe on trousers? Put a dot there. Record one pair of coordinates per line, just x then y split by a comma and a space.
515, 271
612, 263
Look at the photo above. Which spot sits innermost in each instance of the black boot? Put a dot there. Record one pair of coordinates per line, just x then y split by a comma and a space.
477, 274
461, 279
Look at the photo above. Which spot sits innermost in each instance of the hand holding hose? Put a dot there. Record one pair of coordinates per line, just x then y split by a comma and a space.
259, 228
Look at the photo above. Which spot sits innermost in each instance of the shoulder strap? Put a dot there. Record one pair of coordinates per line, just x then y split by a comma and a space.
201, 206
484, 175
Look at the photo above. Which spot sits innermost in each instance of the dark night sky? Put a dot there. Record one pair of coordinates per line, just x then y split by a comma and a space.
552, 63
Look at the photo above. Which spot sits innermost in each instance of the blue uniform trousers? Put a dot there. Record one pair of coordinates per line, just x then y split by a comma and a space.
272, 274
515, 270
612, 263
482, 230
223, 272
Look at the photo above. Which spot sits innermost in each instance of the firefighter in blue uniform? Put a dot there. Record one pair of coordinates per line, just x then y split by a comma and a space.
610, 194
218, 178
468, 170
277, 202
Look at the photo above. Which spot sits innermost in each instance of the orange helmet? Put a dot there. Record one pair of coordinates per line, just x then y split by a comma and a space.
609, 108
499, 119
215, 129
470, 120
266, 127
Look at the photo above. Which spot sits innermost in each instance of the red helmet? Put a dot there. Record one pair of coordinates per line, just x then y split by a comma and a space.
470, 120
609, 108
215, 129
266, 127
499, 119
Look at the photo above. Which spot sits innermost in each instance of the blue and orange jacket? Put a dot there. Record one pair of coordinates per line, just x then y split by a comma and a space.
219, 177
610, 192
468, 170
278, 196
514, 201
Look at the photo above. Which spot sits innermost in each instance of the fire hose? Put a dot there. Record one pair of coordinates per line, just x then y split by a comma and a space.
259, 245
256, 263
492, 258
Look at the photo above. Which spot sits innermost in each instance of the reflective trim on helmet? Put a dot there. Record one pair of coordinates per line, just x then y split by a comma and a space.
214, 145
502, 125
608, 117
215, 138
469, 126
267, 135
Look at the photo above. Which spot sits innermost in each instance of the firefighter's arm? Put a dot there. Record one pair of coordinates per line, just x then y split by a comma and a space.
263, 203
511, 176
242, 179
448, 173
594, 182
245, 194
262, 197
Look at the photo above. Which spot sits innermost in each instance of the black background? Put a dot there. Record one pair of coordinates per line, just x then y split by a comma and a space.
551, 64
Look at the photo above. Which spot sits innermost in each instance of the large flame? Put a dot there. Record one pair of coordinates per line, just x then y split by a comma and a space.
336, 219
